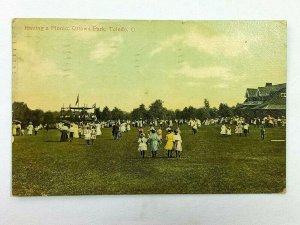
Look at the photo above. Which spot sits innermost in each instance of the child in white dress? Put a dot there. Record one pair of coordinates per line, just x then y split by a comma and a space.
177, 143
87, 135
128, 127
142, 144
30, 129
223, 130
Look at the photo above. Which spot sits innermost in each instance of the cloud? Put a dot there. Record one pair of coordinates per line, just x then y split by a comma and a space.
221, 85
194, 84
40, 81
169, 42
106, 48
229, 45
219, 72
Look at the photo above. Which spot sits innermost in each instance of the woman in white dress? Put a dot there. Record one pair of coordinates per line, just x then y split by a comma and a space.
76, 134
223, 130
98, 129
122, 128
30, 128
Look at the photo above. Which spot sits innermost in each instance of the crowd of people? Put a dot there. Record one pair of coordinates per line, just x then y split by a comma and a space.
153, 140
18, 130
88, 131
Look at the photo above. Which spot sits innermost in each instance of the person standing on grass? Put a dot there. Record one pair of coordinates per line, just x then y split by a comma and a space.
262, 132
160, 133
239, 130
98, 129
30, 128
87, 135
64, 132
19, 128
76, 130
177, 143
128, 127
71, 132
47, 127
79, 131
36, 129
223, 130
154, 141
246, 129
14, 129
194, 128
115, 131
142, 144
169, 144
93, 134
160, 136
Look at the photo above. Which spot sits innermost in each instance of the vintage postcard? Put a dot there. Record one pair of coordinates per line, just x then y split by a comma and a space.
148, 107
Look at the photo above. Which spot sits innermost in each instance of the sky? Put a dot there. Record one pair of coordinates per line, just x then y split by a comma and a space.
124, 63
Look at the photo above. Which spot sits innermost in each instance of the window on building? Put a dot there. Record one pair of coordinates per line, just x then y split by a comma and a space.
283, 95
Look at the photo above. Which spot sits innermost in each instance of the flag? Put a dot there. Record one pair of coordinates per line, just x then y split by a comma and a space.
77, 101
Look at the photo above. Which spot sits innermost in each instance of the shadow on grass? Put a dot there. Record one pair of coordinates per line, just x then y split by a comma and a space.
154, 158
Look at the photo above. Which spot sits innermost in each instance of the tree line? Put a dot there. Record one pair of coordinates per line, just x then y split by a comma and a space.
155, 110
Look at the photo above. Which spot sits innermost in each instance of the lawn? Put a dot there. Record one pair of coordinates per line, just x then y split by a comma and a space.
210, 163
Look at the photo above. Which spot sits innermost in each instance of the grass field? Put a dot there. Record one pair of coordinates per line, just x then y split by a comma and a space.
210, 163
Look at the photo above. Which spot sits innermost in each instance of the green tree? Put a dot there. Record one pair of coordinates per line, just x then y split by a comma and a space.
156, 110
203, 113
225, 110
237, 111
21, 112
139, 113
106, 113
178, 114
49, 117
98, 114
189, 112
170, 115
117, 114
213, 112
37, 117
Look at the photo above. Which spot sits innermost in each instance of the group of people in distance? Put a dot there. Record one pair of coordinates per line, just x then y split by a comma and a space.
17, 129
242, 128
89, 131
154, 141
